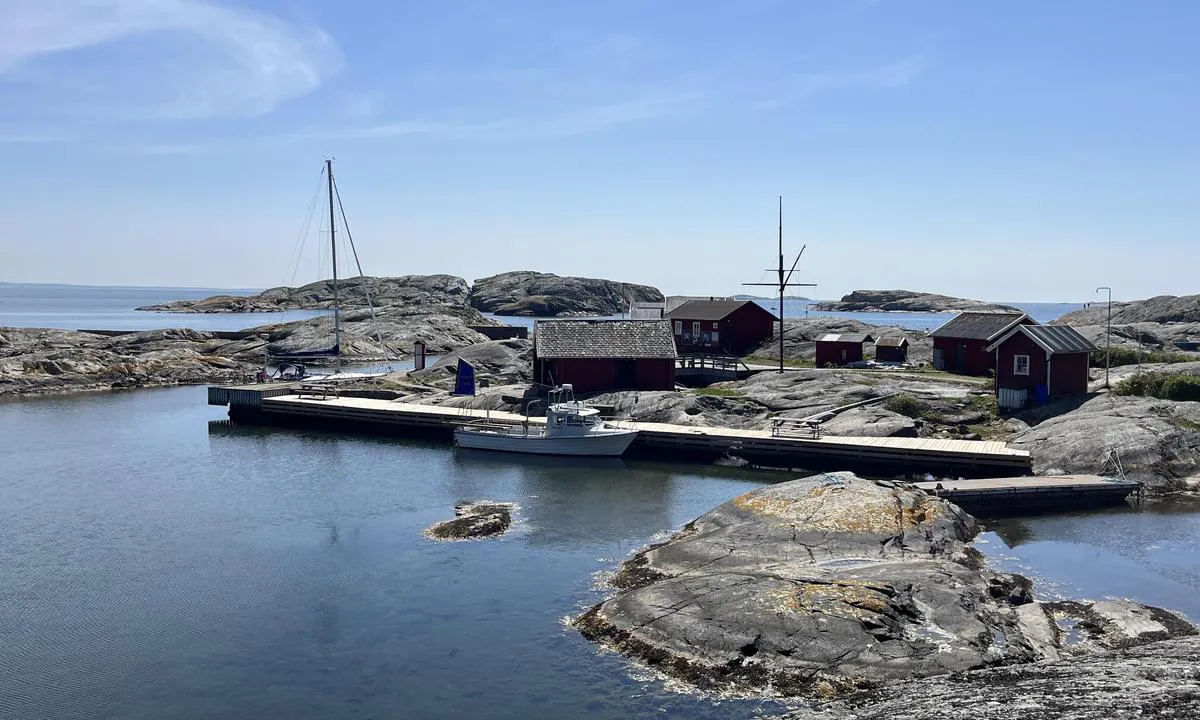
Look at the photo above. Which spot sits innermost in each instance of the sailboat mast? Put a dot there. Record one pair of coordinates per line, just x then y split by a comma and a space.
782, 283
337, 320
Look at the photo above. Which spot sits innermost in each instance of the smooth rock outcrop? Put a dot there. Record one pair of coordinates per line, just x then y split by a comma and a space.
353, 292
1159, 309
474, 520
905, 301
528, 293
1156, 681
832, 584
500, 361
1157, 441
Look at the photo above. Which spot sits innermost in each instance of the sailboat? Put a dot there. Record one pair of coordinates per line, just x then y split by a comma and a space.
289, 365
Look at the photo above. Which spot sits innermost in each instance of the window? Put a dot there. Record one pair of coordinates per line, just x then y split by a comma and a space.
843, 354
1020, 364
715, 326
716, 338
678, 327
696, 327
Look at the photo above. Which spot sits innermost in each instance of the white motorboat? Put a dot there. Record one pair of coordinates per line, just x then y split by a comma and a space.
571, 429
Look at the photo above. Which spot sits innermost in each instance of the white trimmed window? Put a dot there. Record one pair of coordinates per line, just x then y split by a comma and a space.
1020, 364
678, 327
696, 327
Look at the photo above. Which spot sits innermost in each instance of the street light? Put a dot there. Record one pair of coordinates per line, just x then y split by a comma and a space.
1108, 333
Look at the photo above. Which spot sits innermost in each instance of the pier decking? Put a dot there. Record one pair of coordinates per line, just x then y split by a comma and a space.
276, 404
1033, 493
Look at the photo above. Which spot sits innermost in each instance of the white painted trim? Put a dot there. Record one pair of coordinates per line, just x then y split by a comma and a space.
1016, 365
1019, 329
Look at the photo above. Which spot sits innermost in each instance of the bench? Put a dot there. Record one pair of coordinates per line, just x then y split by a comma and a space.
324, 390
795, 427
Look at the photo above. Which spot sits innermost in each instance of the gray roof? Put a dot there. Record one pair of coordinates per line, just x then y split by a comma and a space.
846, 338
891, 341
640, 310
1054, 339
710, 309
617, 339
978, 325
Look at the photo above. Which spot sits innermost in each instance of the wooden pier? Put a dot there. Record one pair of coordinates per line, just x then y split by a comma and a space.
277, 404
1033, 494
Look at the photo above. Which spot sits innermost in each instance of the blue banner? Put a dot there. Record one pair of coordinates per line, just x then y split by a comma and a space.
465, 384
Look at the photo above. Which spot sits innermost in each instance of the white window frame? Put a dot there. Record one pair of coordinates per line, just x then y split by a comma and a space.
678, 327
696, 327
1017, 365
715, 326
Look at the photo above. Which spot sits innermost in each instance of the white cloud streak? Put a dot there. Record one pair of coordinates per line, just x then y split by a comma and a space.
155, 59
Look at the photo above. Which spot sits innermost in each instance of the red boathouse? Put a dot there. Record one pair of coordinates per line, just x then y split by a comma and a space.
602, 355
961, 345
729, 327
841, 349
1038, 362
891, 348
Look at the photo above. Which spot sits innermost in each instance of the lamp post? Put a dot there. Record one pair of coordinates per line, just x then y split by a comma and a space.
1108, 334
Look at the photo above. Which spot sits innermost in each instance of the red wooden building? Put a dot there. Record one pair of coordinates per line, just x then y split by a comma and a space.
729, 327
891, 348
841, 349
1038, 362
600, 355
961, 345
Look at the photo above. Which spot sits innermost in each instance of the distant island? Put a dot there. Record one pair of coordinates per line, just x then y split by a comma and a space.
907, 301
1159, 309
521, 293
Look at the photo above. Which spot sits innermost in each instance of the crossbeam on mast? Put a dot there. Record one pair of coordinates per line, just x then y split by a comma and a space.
784, 281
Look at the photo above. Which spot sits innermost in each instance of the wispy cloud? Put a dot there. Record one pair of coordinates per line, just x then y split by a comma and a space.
153, 59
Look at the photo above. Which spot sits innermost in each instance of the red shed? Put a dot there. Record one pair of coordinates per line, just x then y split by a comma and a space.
841, 349
961, 345
1040, 362
731, 327
891, 348
601, 355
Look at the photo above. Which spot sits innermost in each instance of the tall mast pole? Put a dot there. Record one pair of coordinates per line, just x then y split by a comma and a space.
782, 283
337, 321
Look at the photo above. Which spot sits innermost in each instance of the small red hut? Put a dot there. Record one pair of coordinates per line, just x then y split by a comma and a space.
599, 355
1038, 362
841, 349
961, 345
891, 348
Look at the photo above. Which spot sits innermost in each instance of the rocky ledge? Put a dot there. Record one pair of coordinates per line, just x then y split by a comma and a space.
528, 293
830, 585
1160, 309
474, 520
906, 301
353, 292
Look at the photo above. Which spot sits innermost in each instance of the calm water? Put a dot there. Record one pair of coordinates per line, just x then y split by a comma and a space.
71, 307
112, 308
157, 562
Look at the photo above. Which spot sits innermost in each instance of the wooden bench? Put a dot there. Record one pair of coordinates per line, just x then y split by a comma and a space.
324, 390
795, 427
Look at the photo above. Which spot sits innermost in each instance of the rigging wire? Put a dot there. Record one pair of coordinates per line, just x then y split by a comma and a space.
298, 249
366, 284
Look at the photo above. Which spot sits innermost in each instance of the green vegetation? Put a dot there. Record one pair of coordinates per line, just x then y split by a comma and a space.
719, 392
985, 404
774, 362
907, 405
1185, 424
1123, 355
1167, 386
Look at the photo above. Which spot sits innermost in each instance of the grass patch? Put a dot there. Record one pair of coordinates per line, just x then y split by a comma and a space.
907, 405
1165, 386
985, 404
1123, 355
1185, 424
719, 392
774, 362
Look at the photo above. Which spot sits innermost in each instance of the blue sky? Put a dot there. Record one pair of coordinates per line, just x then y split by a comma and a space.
1017, 151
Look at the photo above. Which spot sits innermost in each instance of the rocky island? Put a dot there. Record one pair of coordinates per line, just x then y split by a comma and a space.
1160, 309
830, 585
528, 293
906, 301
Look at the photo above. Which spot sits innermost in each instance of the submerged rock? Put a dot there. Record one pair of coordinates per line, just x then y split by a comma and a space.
832, 584
474, 520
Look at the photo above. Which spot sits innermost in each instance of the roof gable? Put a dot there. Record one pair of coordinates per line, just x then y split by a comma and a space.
891, 341
607, 339
980, 325
1054, 339
712, 309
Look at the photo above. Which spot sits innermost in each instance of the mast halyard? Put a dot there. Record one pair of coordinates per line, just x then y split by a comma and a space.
337, 321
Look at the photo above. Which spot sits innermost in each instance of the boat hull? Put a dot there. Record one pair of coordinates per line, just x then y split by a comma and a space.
608, 444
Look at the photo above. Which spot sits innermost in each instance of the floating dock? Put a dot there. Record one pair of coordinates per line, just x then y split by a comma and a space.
1033, 494
276, 404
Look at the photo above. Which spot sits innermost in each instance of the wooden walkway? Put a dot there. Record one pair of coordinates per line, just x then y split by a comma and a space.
867, 455
1036, 493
